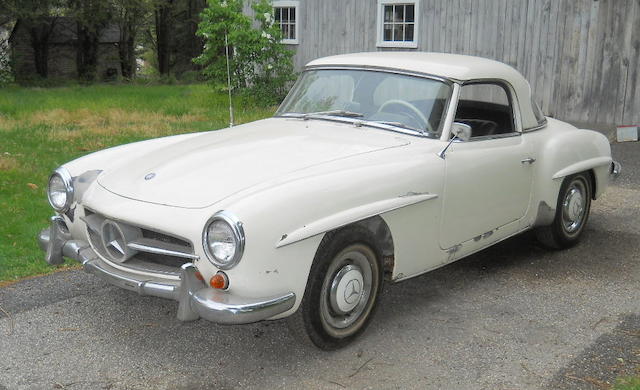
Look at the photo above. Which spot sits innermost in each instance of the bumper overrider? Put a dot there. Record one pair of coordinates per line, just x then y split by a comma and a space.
195, 299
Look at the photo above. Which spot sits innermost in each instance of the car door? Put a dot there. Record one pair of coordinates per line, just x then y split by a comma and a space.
488, 178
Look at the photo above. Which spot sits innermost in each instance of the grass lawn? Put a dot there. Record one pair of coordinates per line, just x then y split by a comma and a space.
40, 129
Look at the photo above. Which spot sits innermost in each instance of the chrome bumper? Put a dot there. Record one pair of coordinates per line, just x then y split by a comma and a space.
195, 299
615, 170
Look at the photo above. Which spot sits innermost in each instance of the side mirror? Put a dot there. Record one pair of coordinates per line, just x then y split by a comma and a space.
461, 131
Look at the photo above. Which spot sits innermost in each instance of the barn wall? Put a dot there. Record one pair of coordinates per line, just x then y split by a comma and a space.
582, 57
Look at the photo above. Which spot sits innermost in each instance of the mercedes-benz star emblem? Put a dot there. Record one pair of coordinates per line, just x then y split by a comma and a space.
113, 240
149, 176
352, 291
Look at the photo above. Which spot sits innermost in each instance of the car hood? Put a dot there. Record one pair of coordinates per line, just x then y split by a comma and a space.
199, 171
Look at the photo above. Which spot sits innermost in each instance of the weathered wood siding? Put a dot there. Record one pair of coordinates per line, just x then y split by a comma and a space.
582, 57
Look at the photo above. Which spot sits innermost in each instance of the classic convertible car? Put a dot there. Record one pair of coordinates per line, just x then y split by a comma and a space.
376, 168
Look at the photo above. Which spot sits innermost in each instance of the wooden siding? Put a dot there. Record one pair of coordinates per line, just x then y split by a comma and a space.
581, 57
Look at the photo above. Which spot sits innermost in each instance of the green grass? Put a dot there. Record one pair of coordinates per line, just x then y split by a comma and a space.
631, 383
40, 129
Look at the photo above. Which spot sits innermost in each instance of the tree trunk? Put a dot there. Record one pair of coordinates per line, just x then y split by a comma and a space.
40, 31
87, 53
162, 16
126, 46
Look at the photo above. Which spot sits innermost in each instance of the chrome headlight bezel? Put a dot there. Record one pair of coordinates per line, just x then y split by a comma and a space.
238, 234
67, 181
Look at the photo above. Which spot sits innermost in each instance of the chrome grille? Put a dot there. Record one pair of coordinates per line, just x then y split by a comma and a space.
148, 250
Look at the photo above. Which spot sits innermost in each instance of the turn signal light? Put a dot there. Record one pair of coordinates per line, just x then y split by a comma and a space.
199, 276
219, 281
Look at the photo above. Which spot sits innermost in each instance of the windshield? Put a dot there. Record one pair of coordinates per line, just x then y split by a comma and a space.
370, 97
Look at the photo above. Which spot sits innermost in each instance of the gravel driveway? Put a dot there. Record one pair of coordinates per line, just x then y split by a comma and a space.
514, 316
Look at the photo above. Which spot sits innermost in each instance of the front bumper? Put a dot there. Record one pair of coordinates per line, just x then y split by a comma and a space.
195, 299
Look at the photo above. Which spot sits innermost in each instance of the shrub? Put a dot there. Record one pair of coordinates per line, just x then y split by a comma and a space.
260, 65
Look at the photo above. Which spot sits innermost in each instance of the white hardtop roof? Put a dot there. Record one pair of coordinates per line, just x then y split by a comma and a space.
452, 66
455, 67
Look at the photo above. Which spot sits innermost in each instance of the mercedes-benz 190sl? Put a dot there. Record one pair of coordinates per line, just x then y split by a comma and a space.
376, 168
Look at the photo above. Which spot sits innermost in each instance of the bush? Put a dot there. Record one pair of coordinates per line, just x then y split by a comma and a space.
260, 65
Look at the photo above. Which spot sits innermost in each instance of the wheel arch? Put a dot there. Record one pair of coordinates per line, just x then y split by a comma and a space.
381, 232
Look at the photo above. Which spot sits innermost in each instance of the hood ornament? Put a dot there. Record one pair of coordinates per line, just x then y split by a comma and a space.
149, 176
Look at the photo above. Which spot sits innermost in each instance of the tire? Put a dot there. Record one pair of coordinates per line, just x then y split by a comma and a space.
342, 291
572, 213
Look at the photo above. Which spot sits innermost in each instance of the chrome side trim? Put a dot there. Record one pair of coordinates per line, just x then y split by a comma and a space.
195, 299
160, 248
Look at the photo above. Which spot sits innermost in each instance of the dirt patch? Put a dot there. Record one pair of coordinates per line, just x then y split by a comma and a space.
8, 163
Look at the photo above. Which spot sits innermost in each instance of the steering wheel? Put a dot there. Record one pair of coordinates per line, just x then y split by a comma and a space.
413, 109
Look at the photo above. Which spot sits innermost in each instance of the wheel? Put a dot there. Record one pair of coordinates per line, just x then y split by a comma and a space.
412, 111
342, 290
572, 213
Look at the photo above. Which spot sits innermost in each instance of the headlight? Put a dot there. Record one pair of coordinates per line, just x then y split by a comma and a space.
223, 240
60, 190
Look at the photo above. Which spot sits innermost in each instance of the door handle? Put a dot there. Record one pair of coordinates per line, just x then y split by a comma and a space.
528, 160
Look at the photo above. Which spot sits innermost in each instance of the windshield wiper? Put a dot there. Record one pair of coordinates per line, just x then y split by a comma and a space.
344, 113
398, 124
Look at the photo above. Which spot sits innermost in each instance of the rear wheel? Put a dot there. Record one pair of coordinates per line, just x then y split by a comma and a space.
572, 213
343, 287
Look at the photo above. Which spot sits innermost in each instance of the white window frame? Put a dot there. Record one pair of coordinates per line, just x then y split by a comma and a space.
380, 24
296, 6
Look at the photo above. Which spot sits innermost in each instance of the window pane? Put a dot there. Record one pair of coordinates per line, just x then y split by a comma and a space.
399, 13
388, 13
278, 16
408, 32
292, 14
285, 31
388, 32
285, 14
408, 15
398, 32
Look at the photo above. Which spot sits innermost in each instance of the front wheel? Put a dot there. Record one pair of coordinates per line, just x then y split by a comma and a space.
572, 213
343, 287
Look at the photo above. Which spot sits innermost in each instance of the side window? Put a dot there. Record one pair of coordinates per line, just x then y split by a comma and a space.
486, 107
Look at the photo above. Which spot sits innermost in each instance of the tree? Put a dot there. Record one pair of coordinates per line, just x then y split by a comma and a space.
130, 16
39, 18
91, 17
163, 18
259, 63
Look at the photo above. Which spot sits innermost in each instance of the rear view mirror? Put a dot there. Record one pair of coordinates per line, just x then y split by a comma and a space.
461, 131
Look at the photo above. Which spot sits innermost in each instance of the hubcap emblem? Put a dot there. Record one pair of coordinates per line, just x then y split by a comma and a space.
352, 291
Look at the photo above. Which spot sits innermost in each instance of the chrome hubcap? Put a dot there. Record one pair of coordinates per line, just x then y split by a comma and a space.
573, 207
346, 291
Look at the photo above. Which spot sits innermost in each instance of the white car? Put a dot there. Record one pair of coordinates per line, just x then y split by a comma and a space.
377, 167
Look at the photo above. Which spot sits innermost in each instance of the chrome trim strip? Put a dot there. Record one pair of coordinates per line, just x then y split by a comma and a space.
382, 69
491, 137
160, 248
535, 128
195, 299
